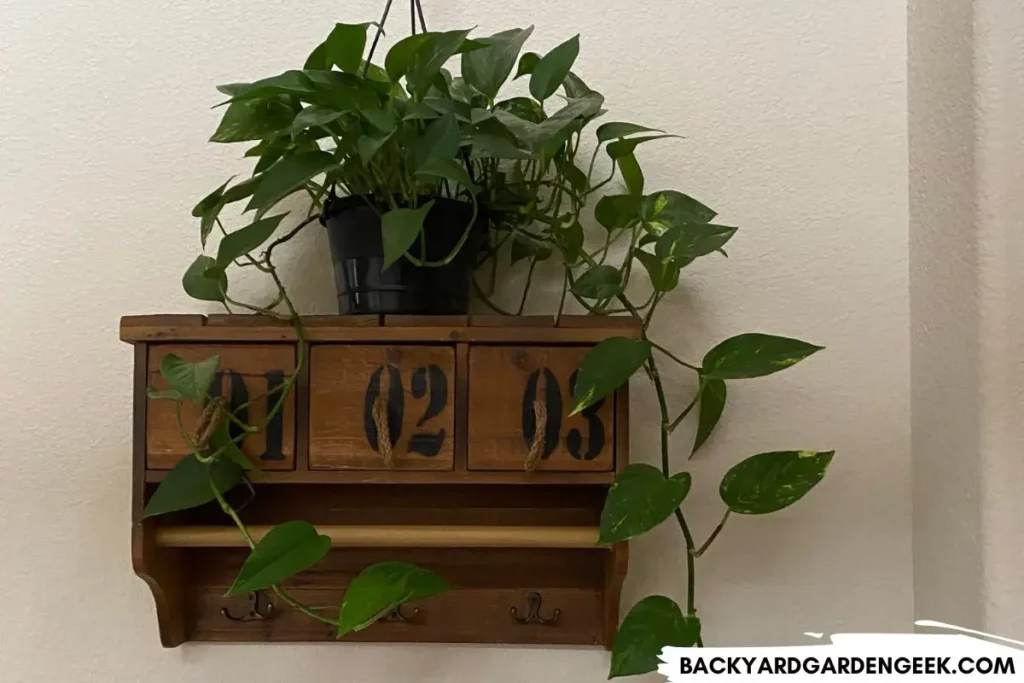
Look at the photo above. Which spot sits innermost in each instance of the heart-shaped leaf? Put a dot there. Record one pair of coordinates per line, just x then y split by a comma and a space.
600, 282
487, 145
664, 274
399, 229
429, 57
613, 130
313, 116
210, 201
208, 209
242, 190
712, 402
622, 148
204, 280
287, 176
640, 499
188, 485
191, 380
652, 624
692, 240
382, 119
448, 169
396, 63
554, 130
380, 588
569, 239
606, 367
344, 47
253, 120
527, 63
367, 146
755, 355
439, 141
317, 59
247, 239
769, 482
551, 69
286, 550
632, 174
574, 86
617, 211
527, 247
487, 69
667, 208
574, 175
290, 82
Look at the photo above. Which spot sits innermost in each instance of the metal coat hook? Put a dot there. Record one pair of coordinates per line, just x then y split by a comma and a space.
397, 615
533, 603
258, 610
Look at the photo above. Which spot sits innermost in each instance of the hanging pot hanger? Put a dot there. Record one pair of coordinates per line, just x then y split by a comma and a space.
415, 13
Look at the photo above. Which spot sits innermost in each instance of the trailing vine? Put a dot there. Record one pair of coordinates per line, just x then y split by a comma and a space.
401, 135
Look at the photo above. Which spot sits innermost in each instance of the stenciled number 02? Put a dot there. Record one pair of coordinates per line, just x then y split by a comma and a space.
425, 380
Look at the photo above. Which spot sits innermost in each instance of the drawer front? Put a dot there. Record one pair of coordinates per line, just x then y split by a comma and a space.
488, 584
470, 615
355, 390
247, 373
505, 386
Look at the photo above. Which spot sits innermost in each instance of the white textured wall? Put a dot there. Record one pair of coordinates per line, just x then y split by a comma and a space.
795, 114
999, 68
967, 212
944, 314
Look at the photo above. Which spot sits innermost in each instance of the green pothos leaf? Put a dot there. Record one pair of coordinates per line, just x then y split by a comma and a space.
188, 485
606, 367
399, 230
191, 380
755, 355
380, 588
712, 403
286, 550
204, 280
640, 499
632, 174
524, 247
654, 623
769, 482
600, 282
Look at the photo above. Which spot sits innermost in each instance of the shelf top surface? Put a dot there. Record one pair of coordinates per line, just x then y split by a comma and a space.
498, 329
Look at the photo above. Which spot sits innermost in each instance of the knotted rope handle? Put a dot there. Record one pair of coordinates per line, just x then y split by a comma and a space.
380, 419
540, 415
208, 421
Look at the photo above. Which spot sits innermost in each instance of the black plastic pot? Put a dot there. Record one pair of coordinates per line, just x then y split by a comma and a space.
365, 286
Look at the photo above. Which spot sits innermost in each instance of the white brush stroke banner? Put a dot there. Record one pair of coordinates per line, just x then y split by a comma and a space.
856, 657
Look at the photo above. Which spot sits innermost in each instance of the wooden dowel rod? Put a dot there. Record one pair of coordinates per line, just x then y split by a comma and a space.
380, 536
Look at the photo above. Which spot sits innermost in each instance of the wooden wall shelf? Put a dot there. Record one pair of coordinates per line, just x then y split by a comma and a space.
457, 497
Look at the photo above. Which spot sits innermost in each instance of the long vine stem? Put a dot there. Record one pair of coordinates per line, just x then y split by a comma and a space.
266, 265
666, 427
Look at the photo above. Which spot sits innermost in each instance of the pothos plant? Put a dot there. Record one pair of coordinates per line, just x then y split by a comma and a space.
403, 133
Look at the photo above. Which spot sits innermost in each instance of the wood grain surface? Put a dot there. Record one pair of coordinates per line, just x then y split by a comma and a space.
247, 373
418, 386
503, 383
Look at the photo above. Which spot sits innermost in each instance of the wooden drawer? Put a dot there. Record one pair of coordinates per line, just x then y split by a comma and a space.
503, 423
247, 373
477, 610
471, 615
416, 385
